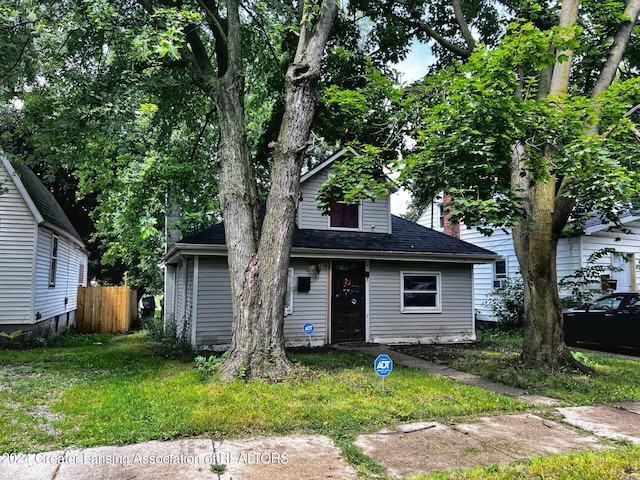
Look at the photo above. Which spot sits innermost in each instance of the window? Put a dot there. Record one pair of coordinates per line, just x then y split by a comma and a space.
53, 266
500, 274
344, 216
420, 292
288, 301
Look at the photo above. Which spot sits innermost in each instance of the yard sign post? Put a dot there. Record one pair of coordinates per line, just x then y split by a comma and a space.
308, 329
383, 365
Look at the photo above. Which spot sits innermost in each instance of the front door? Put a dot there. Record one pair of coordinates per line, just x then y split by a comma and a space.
348, 301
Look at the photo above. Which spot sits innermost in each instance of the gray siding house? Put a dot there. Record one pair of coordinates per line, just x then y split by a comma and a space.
359, 274
42, 257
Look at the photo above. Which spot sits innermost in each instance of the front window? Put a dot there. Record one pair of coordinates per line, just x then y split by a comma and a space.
344, 216
420, 292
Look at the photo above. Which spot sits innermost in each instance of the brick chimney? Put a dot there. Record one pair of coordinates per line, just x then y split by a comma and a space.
450, 228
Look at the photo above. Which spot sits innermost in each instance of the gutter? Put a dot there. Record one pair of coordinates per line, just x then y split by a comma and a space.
297, 252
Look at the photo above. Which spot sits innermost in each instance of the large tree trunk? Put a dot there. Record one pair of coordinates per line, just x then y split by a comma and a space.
536, 241
536, 238
257, 348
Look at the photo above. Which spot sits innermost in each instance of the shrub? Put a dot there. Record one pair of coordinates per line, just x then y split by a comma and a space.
507, 304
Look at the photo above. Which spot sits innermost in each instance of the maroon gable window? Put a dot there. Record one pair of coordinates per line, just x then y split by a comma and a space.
344, 216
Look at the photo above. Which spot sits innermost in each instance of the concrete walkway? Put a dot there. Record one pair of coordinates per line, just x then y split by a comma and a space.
411, 449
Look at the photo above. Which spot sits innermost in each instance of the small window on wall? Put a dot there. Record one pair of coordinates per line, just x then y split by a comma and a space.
53, 265
344, 216
500, 276
288, 301
420, 292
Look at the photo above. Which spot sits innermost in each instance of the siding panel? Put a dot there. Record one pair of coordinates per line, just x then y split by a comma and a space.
63, 297
388, 324
213, 325
18, 231
375, 215
308, 307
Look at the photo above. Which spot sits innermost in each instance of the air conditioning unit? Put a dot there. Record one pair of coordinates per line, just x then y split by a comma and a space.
500, 284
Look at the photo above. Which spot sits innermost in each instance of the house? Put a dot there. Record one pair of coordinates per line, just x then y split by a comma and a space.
357, 275
43, 260
573, 253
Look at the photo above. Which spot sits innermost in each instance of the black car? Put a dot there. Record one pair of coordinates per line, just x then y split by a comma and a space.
611, 320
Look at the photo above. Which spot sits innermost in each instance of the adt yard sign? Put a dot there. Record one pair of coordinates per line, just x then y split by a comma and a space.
383, 365
308, 328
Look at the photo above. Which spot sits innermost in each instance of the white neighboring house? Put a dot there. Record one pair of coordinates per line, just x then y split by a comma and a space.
43, 260
573, 253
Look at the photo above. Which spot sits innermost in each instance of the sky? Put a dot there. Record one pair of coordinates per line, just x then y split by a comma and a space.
411, 68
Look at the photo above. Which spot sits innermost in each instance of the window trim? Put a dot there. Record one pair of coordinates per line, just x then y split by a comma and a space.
352, 229
288, 303
500, 279
53, 260
416, 273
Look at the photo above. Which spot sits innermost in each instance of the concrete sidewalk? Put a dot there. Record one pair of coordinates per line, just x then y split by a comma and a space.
407, 450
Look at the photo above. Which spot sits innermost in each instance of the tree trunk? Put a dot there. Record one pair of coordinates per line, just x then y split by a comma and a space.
257, 348
536, 238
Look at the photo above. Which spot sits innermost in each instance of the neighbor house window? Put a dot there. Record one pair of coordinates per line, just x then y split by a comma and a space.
420, 292
500, 274
344, 216
53, 266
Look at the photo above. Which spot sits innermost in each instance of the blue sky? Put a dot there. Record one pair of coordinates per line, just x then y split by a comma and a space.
415, 65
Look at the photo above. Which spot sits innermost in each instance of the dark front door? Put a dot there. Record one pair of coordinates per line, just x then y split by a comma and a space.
347, 302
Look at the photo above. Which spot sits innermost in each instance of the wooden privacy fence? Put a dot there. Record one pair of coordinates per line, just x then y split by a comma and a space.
105, 309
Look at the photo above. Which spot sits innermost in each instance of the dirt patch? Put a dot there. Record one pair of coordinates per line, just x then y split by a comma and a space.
447, 354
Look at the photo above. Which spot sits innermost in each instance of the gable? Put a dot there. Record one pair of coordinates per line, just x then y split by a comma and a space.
41, 202
374, 216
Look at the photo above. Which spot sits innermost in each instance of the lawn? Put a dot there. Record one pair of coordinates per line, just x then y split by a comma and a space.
497, 358
88, 390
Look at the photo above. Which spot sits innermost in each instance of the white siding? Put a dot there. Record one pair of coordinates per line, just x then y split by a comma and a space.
501, 243
18, 230
62, 298
573, 254
388, 325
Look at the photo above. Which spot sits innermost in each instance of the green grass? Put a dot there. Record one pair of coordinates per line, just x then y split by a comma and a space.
88, 390
92, 392
617, 464
497, 358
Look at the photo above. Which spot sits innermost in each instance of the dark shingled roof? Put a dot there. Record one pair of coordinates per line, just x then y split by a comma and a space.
45, 202
406, 237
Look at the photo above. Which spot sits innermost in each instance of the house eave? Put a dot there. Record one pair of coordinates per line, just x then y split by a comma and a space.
65, 234
297, 252
604, 226
394, 255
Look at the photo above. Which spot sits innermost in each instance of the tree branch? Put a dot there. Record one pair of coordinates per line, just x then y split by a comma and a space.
452, 47
464, 27
623, 35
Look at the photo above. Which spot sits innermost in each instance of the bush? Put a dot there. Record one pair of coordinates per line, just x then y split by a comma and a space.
207, 366
508, 304
171, 344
